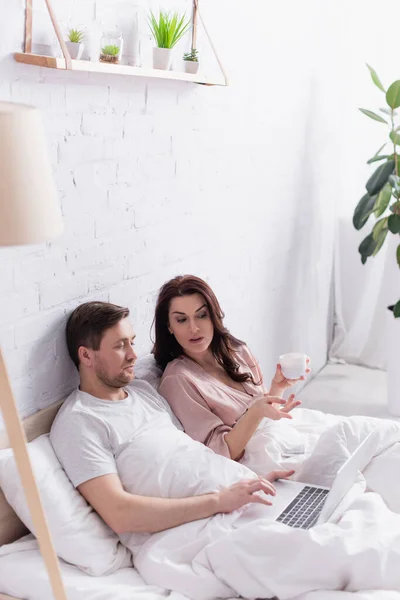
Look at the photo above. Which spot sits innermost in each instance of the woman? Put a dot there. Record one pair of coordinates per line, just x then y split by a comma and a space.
210, 378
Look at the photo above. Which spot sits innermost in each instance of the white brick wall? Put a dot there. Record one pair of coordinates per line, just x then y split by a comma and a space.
160, 178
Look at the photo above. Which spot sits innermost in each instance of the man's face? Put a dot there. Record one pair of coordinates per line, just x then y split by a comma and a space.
113, 361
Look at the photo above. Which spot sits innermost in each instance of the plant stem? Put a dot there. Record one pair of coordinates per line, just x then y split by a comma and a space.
394, 145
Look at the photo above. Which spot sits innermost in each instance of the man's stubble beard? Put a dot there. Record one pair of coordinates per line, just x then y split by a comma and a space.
115, 382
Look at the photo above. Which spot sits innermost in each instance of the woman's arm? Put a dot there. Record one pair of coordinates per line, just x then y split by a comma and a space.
201, 424
238, 437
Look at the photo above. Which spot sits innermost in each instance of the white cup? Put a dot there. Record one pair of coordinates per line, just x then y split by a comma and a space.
293, 365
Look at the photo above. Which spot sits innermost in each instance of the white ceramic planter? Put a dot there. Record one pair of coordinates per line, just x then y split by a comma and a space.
75, 50
393, 367
162, 58
191, 66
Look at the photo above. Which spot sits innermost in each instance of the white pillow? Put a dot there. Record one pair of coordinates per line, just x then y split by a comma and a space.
79, 535
147, 369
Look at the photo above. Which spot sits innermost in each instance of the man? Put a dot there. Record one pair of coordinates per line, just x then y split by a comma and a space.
210, 535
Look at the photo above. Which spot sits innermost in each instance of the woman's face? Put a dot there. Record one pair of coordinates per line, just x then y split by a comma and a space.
190, 323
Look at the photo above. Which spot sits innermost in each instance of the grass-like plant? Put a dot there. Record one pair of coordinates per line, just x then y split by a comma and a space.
110, 50
168, 29
192, 56
382, 199
76, 35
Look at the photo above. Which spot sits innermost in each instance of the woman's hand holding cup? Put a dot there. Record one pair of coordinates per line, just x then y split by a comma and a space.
292, 368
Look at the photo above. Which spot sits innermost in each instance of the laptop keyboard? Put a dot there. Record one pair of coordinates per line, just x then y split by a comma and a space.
305, 509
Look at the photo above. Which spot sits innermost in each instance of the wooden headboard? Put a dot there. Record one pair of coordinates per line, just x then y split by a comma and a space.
11, 528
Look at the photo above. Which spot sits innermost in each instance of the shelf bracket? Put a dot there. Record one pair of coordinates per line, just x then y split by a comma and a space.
197, 16
28, 31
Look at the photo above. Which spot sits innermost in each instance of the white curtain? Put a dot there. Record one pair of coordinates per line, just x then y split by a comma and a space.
361, 292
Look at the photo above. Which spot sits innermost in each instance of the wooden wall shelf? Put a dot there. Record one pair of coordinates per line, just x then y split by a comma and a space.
99, 67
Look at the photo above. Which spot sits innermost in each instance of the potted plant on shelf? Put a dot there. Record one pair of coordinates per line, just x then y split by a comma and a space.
167, 30
74, 43
191, 60
110, 54
382, 201
111, 47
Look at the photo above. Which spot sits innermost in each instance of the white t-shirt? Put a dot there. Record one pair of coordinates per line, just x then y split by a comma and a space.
88, 434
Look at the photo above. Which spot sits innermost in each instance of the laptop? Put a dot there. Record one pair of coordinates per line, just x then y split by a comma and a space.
304, 505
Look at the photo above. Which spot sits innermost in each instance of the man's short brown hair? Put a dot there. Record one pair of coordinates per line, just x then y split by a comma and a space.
87, 324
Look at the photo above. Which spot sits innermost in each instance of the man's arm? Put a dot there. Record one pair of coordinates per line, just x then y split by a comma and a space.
125, 512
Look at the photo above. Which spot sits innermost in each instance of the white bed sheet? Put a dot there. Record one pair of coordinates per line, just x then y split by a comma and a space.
23, 575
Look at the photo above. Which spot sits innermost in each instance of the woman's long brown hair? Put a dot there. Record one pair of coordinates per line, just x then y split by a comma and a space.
223, 344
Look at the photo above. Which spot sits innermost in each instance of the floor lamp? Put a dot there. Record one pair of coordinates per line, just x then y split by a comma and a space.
29, 214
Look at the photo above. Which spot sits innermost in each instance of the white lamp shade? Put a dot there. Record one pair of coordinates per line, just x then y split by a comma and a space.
29, 211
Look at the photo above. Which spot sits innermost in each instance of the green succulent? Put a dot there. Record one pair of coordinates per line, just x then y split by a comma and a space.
168, 29
382, 197
110, 50
192, 56
76, 35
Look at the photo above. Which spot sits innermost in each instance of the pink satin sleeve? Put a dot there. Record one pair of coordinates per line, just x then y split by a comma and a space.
199, 422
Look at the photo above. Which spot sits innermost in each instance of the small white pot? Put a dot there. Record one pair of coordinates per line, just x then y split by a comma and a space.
162, 58
191, 66
75, 50
393, 370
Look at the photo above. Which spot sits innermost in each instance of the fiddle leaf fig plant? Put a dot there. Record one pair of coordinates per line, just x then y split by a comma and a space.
382, 198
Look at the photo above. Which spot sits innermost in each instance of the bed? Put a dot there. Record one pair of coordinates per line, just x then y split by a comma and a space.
22, 572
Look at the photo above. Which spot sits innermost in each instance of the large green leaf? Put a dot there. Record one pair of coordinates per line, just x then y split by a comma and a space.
396, 310
367, 247
398, 255
395, 137
363, 210
393, 95
394, 181
382, 202
379, 226
394, 223
378, 158
372, 115
379, 178
376, 79
379, 234
395, 208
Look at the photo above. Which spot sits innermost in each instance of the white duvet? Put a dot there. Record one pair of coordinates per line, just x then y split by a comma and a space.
125, 584
245, 553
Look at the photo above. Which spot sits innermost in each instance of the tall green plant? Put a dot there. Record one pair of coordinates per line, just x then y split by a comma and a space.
382, 199
168, 29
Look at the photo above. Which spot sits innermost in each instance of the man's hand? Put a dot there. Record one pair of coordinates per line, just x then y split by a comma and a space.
243, 493
279, 383
266, 407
